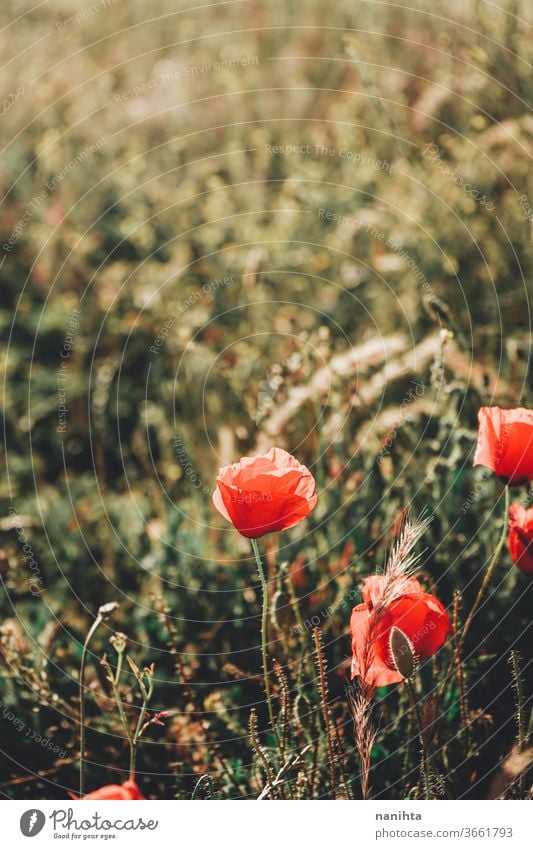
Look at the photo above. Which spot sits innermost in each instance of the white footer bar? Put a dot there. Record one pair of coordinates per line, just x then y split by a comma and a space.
210, 824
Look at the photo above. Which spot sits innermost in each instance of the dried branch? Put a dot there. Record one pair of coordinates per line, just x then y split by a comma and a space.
292, 763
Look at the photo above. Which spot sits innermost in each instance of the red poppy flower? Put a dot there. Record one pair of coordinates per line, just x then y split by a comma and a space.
418, 615
260, 495
127, 792
521, 537
505, 443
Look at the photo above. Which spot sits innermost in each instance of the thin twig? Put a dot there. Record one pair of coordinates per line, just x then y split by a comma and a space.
292, 763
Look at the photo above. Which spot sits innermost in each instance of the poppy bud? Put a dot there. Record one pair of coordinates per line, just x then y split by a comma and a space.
402, 652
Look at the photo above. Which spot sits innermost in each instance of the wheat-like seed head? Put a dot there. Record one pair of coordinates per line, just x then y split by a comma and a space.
402, 562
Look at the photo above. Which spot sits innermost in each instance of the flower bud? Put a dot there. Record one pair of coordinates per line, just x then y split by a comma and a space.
119, 641
106, 610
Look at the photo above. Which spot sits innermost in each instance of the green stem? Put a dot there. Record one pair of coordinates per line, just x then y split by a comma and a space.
264, 621
122, 713
88, 638
133, 757
490, 570
422, 737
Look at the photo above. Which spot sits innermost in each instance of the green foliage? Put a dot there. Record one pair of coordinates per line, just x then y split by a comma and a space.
175, 268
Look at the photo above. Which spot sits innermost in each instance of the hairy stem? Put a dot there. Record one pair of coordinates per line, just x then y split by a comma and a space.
519, 692
422, 737
264, 623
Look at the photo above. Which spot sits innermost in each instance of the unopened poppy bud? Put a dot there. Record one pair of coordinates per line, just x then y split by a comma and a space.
107, 610
402, 651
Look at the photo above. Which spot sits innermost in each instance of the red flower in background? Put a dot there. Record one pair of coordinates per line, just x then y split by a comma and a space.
260, 495
127, 792
521, 537
505, 443
419, 615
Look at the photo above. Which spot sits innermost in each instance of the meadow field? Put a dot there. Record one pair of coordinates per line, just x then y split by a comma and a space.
232, 227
